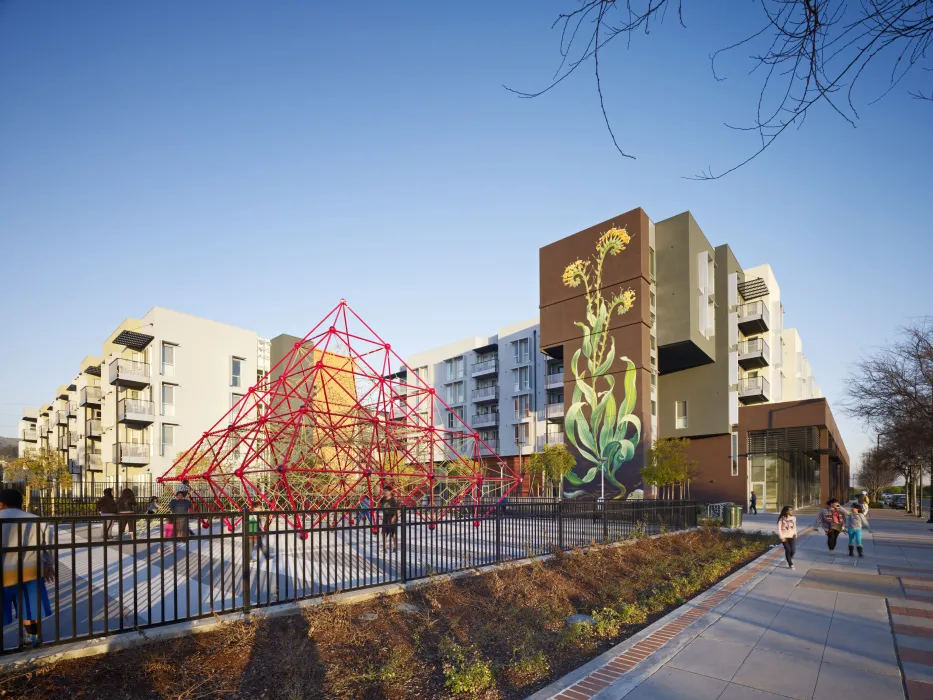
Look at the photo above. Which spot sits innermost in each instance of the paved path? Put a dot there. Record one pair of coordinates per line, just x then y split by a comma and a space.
834, 627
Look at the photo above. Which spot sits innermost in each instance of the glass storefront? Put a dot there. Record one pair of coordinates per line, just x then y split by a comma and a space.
785, 479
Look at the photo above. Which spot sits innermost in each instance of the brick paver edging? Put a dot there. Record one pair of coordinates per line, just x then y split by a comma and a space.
595, 676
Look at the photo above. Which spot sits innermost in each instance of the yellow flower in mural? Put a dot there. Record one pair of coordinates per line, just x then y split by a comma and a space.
574, 274
613, 241
624, 301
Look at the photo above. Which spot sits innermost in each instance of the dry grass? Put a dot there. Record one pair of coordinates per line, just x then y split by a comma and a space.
498, 635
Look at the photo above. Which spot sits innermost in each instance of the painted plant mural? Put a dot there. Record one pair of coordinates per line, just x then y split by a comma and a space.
603, 432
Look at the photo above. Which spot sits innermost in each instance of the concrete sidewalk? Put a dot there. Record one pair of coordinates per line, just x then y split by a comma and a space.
826, 628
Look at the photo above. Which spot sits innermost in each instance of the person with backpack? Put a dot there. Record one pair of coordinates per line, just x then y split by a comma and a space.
832, 520
855, 521
787, 531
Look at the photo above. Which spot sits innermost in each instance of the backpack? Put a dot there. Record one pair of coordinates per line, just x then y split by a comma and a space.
836, 520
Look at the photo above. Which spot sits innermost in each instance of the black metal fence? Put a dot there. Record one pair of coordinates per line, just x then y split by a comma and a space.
114, 574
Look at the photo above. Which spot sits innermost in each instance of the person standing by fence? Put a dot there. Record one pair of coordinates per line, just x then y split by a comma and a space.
787, 531
179, 506
106, 505
389, 519
24, 573
126, 506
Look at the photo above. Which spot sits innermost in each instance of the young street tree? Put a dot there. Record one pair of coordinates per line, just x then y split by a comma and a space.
669, 468
550, 465
806, 52
40, 470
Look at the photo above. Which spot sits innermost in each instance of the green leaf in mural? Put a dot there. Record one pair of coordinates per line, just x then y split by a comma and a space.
607, 363
578, 431
587, 341
629, 386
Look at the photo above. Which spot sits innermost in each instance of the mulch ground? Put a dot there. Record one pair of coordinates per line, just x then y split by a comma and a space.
502, 634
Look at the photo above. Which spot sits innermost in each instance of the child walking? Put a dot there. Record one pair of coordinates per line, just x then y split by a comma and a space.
787, 531
855, 521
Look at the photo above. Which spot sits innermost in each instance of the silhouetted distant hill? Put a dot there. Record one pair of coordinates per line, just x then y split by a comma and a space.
8, 447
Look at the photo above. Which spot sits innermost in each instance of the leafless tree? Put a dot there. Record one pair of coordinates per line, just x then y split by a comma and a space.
892, 391
807, 52
876, 473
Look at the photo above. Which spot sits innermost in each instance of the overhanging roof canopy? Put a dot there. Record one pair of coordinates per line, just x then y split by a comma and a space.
133, 340
753, 289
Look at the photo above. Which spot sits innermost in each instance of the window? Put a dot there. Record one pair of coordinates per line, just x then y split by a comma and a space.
711, 315
521, 351
680, 414
522, 407
234, 399
236, 371
454, 368
521, 378
654, 407
651, 270
455, 393
168, 399
168, 440
453, 418
735, 454
521, 433
168, 360
652, 299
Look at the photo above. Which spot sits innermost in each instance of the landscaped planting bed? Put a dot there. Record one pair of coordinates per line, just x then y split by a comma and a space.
501, 634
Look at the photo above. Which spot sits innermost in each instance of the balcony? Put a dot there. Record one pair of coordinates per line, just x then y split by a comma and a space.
754, 318
29, 435
91, 460
90, 396
131, 453
72, 409
485, 367
136, 411
554, 380
485, 420
550, 439
555, 411
70, 439
486, 393
754, 390
92, 429
60, 417
489, 446
129, 373
754, 354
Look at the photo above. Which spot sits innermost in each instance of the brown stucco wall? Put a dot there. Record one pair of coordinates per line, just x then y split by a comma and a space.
562, 306
714, 481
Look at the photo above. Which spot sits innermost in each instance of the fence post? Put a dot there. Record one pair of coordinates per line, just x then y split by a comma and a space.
605, 521
402, 519
560, 523
498, 532
246, 555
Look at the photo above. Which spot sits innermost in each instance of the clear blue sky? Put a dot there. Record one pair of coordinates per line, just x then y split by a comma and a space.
254, 162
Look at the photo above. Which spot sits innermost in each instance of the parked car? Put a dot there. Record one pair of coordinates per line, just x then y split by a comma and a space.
898, 501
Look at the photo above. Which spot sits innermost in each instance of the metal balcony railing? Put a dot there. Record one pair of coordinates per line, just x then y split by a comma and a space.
485, 367
754, 388
92, 428
61, 417
754, 315
754, 353
488, 446
486, 393
555, 410
30, 435
482, 420
90, 396
137, 410
131, 453
554, 380
129, 372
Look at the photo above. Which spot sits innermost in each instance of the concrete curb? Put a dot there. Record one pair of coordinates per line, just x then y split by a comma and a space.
129, 639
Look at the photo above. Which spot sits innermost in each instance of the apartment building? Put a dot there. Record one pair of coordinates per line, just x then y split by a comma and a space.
501, 385
158, 383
